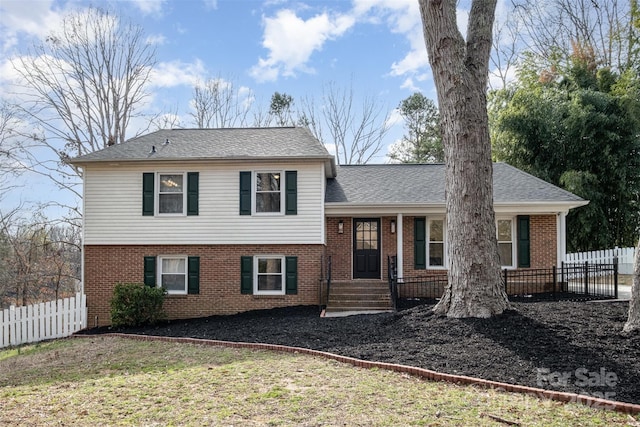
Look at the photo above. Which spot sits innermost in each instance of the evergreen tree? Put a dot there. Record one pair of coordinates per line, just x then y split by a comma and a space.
578, 128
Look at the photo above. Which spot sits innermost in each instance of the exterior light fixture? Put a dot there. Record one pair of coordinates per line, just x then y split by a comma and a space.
340, 227
393, 226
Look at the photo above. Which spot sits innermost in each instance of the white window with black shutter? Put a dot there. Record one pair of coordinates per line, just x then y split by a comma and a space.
177, 274
268, 193
269, 275
170, 193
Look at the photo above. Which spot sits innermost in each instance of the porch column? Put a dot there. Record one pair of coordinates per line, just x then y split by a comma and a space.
399, 251
561, 226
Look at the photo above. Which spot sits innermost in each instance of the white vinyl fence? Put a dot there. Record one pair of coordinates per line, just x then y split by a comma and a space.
47, 320
625, 258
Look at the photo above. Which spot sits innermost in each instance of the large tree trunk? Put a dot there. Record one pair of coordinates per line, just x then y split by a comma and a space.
633, 322
460, 71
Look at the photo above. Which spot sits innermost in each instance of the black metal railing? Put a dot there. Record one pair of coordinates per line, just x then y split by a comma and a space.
590, 279
428, 287
325, 280
575, 280
533, 281
392, 275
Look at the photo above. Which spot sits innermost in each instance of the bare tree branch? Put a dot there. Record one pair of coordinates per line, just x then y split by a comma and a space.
219, 103
80, 90
358, 132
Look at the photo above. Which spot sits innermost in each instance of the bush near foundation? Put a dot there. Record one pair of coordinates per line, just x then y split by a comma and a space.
134, 304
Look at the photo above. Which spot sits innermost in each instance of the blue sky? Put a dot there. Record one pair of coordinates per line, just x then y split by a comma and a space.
294, 47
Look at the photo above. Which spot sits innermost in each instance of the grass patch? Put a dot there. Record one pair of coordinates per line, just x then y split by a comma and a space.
115, 381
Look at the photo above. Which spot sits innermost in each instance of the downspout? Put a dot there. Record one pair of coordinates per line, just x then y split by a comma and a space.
82, 231
561, 226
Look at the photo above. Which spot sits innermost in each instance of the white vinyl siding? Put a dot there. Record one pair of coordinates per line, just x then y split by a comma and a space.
113, 208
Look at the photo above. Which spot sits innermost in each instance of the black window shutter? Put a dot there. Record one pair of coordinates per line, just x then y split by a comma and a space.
420, 243
291, 196
148, 189
245, 193
192, 193
524, 242
246, 275
150, 271
193, 275
291, 268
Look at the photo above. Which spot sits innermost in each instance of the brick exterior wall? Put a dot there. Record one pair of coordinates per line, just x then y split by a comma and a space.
106, 265
543, 245
340, 246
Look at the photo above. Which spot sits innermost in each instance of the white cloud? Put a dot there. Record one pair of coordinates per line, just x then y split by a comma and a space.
149, 7
498, 77
34, 19
156, 39
211, 4
291, 41
462, 16
402, 17
409, 85
177, 73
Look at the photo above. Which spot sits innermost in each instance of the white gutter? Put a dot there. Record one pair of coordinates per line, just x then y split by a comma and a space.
523, 208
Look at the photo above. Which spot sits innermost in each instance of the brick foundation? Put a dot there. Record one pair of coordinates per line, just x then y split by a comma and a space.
219, 278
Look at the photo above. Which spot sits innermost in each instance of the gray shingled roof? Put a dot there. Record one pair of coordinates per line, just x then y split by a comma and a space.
198, 144
424, 184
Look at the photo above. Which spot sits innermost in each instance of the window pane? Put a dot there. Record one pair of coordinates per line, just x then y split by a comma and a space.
173, 265
269, 265
170, 203
373, 243
436, 232
504, 230
269, 283
171, 183
505, 254
173, 282
436, 254
267, 202
174, 274
268, 182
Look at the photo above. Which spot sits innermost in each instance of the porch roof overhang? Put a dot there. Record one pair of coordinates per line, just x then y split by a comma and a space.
390, 209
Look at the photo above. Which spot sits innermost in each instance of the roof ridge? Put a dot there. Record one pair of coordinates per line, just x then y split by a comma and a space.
392, 164
234, 128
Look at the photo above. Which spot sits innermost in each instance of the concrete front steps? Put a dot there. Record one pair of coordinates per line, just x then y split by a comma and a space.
358, 296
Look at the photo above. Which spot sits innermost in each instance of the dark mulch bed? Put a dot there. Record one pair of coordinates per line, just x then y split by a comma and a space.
563, 345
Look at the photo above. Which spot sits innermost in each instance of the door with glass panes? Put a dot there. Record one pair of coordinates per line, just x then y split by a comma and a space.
366, 248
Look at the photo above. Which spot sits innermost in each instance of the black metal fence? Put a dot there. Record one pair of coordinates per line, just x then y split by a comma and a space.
571, 280
590, 279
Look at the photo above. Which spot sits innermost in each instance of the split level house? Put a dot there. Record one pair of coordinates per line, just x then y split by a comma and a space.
230, 220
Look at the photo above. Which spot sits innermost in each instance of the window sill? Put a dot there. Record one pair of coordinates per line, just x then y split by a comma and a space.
177, 296
268, 296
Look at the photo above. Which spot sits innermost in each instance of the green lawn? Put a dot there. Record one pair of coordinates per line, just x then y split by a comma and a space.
115, 381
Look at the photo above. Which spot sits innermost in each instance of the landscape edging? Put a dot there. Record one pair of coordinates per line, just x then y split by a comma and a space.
590, 401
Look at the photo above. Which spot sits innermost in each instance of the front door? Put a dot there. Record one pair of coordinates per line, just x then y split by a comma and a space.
366, 248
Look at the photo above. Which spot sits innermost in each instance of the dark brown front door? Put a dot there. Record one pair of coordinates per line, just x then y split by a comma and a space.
366, 248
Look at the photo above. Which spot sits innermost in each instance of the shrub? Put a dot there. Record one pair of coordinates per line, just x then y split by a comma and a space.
134, 304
